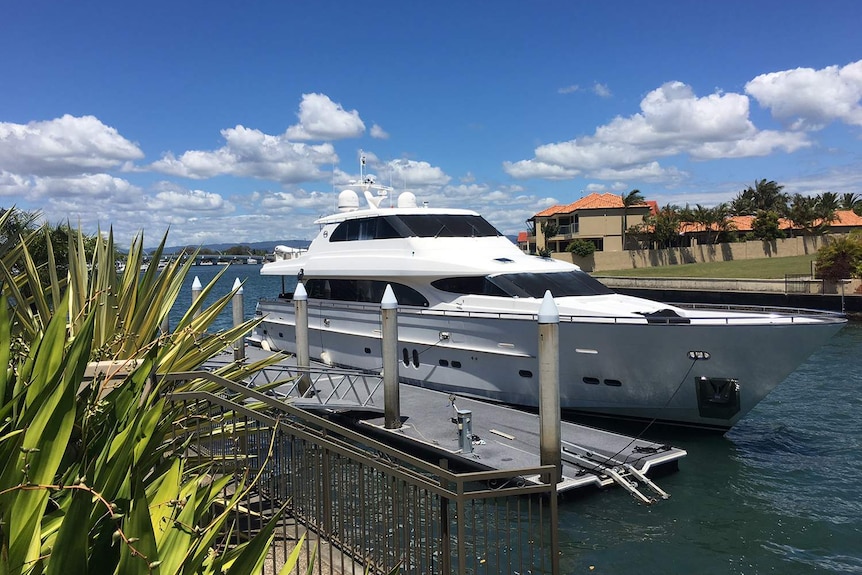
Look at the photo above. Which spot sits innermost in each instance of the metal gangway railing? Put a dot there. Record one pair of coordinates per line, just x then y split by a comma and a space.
362, 506
316, 386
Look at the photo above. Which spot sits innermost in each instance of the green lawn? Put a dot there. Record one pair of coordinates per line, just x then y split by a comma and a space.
765, 268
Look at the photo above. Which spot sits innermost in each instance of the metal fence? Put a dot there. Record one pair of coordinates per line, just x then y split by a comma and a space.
362, 503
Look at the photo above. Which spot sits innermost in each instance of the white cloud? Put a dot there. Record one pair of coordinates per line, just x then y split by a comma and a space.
86, 188
183, 203
761, 144
415, 174
650, 172
251, 153
378, 132
568, 89
322, 119
63, 146
283, 202
537, 169
810, 99
672, 121
13, 185
602, 90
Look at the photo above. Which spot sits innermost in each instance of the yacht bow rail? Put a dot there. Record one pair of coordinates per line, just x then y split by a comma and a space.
746, 314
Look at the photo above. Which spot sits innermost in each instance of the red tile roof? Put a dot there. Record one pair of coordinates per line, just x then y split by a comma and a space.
844, 218
590, 202
847, 218
522, 237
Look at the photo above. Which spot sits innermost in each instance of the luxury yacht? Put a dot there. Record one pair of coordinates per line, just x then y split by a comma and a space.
468, 301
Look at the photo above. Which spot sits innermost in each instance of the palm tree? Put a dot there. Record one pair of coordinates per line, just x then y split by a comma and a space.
700, 215
850, 201
633, 198
826, 204
721, 217
664, 226
765, 195
803, 213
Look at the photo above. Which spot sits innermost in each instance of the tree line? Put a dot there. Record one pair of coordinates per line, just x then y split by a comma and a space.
765, 201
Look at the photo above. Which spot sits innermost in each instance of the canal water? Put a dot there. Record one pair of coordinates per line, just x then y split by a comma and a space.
780, 493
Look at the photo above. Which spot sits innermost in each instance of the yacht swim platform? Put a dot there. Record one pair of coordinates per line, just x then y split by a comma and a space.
502, 438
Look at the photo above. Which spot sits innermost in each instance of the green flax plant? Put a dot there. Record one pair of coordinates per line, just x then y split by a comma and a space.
93, 478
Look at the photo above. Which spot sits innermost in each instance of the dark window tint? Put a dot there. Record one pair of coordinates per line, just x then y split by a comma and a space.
448, 226
560, 283
376, 228
369, 291
418, 225
477, 285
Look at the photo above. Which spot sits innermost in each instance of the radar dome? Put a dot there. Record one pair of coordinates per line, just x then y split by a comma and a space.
348, 201
406, 200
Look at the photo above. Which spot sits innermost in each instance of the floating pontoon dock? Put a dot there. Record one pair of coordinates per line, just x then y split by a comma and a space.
469, 433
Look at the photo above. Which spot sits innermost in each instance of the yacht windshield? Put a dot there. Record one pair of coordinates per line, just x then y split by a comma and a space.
415, 225
447, 226
561, 284
525, 284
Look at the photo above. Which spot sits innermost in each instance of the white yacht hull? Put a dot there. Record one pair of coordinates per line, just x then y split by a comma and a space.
703, 375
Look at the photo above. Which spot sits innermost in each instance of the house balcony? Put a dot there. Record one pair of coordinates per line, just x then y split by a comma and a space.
567, 232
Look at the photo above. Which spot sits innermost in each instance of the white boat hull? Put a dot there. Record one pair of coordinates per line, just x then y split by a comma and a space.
697, 375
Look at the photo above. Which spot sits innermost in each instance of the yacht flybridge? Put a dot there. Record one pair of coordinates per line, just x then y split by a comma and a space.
468, 299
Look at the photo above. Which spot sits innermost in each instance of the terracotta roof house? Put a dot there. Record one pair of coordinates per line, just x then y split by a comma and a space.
845, 222
597, 218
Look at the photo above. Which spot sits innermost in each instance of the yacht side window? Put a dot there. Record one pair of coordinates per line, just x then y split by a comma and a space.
474, 285
366, 291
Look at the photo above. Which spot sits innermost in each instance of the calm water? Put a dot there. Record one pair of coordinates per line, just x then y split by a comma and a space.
780, 493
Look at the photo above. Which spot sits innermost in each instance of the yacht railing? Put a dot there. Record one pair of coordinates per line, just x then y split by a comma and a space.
745, 314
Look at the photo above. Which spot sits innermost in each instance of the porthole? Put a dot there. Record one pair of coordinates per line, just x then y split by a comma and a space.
264, 332
456, 364
613, 382
280, 334
415, 358
591, 380
367, 350
405, 357
525, 373
444, 363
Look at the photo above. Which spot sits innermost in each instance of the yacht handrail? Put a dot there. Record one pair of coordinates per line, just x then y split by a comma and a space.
762, 313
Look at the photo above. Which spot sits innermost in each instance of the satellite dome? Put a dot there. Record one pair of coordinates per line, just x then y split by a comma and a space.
407, 200
348, 201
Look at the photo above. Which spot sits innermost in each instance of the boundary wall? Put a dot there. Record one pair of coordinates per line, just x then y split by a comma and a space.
632, 259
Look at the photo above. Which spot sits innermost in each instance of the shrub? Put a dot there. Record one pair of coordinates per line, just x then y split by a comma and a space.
766, 227
92, 477
841, 258
581, 248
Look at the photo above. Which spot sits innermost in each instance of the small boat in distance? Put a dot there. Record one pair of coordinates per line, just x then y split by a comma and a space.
468, 301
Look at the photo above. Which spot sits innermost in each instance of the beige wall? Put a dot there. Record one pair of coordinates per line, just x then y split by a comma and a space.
619, 260
605, 224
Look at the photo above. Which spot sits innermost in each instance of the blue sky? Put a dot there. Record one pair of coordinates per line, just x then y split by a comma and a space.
239, 122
